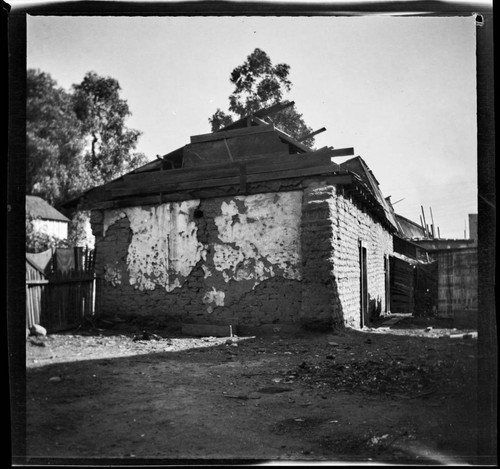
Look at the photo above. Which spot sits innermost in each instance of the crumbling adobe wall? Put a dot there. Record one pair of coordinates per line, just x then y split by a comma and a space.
332, 227
319, 308
203, 261
355, 224
280, 257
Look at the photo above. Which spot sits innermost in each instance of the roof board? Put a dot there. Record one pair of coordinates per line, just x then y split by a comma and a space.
359, 167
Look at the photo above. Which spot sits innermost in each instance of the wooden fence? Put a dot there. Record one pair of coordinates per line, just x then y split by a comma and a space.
62, 298
413, 287
402, 286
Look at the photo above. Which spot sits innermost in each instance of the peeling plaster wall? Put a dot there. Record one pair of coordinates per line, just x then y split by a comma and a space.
270, 258
203, 260
259, 237
164, 248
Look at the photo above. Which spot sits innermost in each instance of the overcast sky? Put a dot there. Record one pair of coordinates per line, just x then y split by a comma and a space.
401, 91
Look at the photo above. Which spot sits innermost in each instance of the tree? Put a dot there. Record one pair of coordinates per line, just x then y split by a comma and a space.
259, 84
76, 140
102, 113
55, 140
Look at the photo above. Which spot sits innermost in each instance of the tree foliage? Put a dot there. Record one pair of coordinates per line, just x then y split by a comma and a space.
77, 139
102, 113
54, 140
260, 84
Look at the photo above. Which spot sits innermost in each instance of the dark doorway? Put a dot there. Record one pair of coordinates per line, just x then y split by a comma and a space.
363, 285
387, 273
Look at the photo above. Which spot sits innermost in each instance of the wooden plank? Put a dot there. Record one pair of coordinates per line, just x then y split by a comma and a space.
156, 164
260, 113
311, 134
71, 281
258, 121
342, 152
274, 109
223, 151
181, 175
207, 193
426, 229
292, 173
252, 175
252, 146
166, 187
34, 283
174, 180
221, 170
262, 164
257, 129
294, 142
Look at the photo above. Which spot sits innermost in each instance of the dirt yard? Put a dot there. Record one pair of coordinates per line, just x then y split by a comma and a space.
404, 393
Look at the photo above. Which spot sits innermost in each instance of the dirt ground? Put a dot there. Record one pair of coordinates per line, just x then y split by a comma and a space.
398, 394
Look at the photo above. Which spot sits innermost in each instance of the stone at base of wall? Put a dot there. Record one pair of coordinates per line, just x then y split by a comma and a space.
209, 330
140, 322
317, 324
214, 330
267, 329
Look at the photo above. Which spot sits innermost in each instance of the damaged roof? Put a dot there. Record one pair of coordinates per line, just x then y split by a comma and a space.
238, 159
358, 165
409, 229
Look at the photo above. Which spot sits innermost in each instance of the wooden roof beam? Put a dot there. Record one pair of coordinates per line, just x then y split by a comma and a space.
292, 140
258, 121
243, 122
273, 109
311, 134
342, 152
220, 135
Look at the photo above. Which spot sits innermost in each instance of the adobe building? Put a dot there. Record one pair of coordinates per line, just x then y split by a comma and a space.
245, 227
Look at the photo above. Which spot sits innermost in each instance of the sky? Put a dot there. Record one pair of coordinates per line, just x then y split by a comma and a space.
400, 90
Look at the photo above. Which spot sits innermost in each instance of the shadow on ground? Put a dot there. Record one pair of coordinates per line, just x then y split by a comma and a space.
368, 396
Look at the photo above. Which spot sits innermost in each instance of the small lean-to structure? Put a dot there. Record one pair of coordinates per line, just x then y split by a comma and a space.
45, 218
245, 227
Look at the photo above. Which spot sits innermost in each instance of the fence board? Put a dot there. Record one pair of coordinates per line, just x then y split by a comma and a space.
61, 300
402, 286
